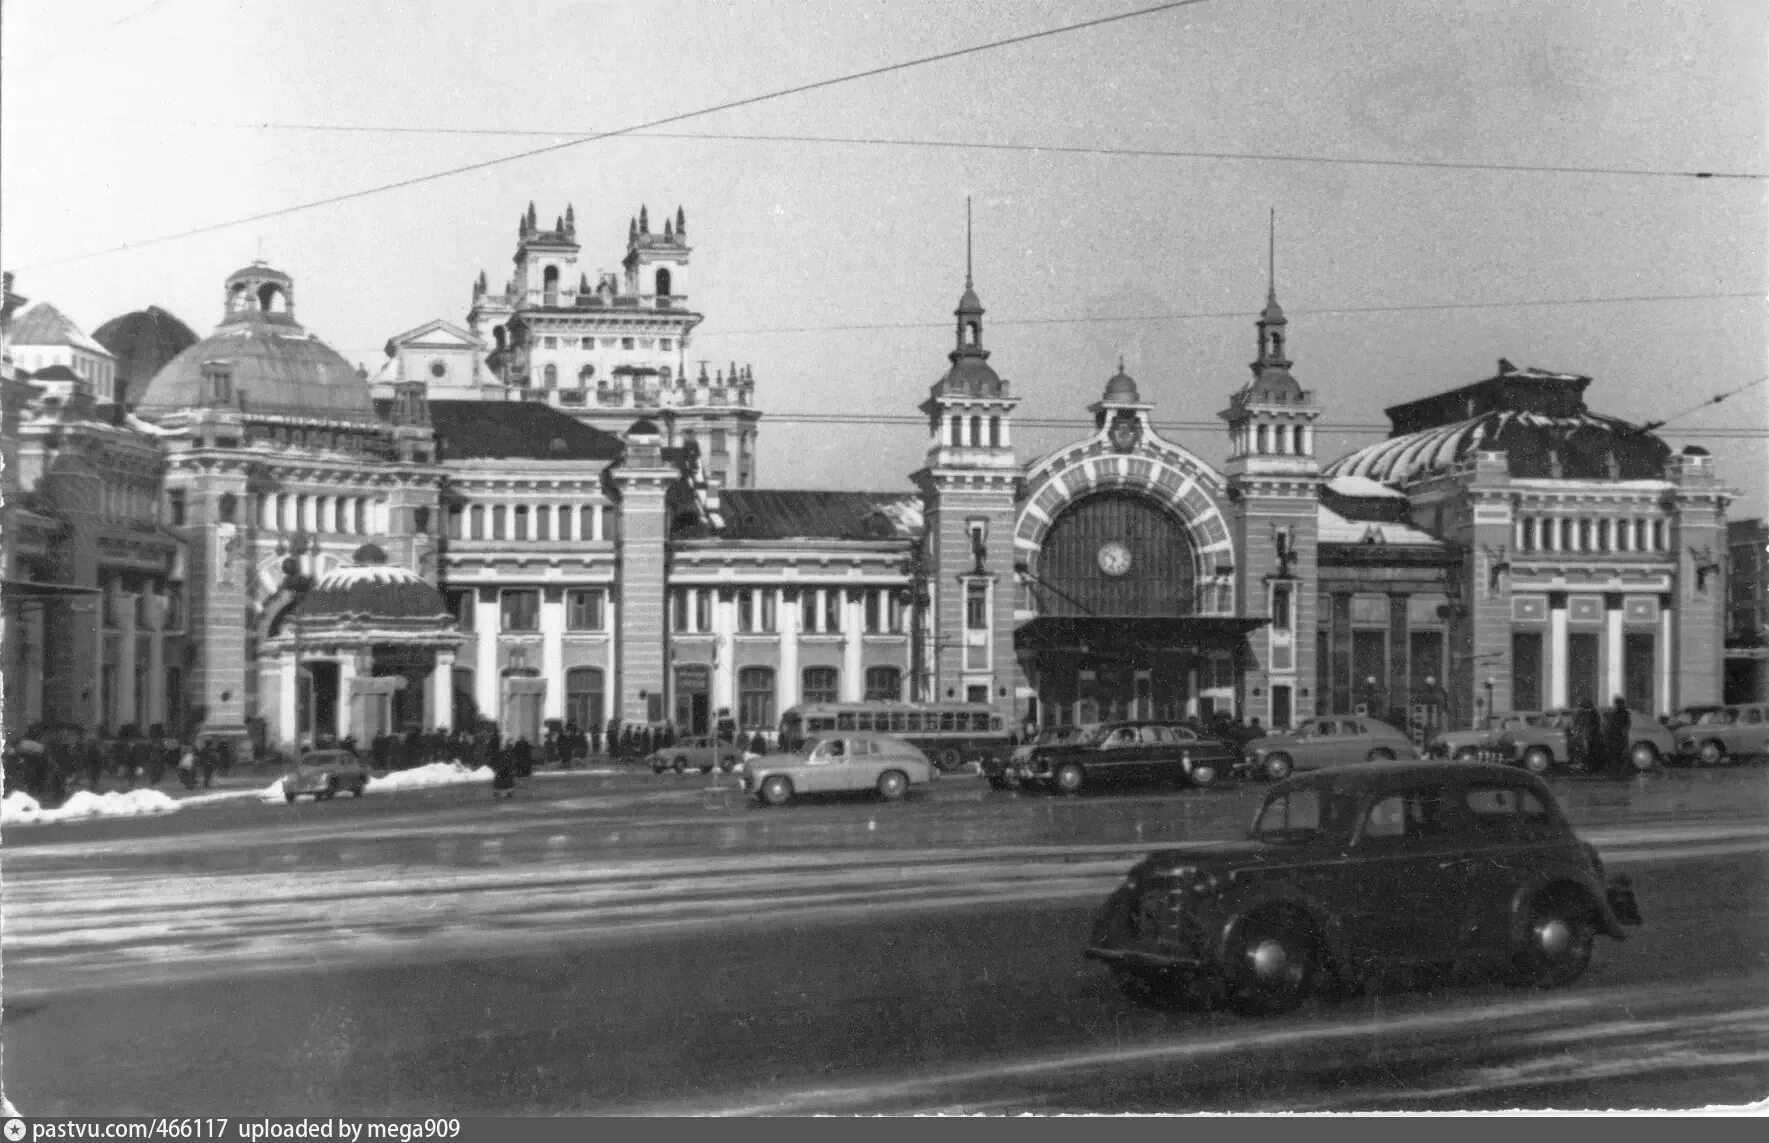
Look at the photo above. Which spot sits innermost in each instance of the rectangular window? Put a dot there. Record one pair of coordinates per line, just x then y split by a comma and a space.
885, 684
976, 692
543, 523
755, 698
626, 343
874, 613
718, 441
976, 606
770, 621
460, 605
679, 610
832, 609
703, 610
899, 614
498, 519
564, 513
522, 610
521, 522
456, 522
820, 684
746, 611
666, 343
175, 507
807, 609
549, 343
1582, 658
583, 609
1280, 607
586, 522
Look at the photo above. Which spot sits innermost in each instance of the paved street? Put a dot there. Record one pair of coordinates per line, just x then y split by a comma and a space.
636, 943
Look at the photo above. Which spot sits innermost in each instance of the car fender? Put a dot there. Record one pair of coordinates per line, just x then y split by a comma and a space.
1283, 899
1583, 884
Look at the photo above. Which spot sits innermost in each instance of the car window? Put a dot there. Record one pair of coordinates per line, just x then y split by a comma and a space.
1292, 816
1323, 728
1752, 715
1182, 734
1406, 816
1152, 735
1123, 736
1352, 726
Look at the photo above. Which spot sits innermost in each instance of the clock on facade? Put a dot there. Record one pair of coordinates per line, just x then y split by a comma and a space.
1114, 558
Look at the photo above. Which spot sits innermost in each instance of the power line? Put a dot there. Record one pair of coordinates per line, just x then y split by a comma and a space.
1019, 148
1651, 426
910, 420
1242, 314
729, 105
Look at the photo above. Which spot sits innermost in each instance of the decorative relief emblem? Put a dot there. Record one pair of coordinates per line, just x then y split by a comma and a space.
1126, 431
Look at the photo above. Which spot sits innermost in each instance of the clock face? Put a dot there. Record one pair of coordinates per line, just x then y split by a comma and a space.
1114, 558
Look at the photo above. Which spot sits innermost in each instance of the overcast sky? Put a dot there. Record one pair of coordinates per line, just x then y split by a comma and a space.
128, 121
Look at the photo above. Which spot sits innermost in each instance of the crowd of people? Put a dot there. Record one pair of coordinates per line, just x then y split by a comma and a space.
1600, 740
52, 762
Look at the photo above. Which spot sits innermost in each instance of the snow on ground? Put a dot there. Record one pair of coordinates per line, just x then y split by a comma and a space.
20, 808
425, 777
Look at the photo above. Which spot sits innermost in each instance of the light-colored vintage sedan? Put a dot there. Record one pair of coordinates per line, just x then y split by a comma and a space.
838, 763
1330, 740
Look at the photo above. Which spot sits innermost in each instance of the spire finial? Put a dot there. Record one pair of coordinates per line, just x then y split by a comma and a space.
1120, 362
967, 283
1271, 257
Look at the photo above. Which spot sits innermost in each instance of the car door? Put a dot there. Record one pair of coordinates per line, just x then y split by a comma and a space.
1118, 756
820, 771
1504, 828
1314, 744
1408, 875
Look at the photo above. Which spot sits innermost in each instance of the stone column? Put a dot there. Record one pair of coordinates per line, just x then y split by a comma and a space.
156, 662
1556, 665
485, 670
344, 722
1667, 658
1340, 682
724, 651
441, 712
1399, 653
786, 686
1614, 647
553, 652
853, 620
125, 711
286, 732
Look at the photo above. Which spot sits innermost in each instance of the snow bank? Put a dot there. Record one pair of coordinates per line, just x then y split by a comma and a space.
19, 807
426, 777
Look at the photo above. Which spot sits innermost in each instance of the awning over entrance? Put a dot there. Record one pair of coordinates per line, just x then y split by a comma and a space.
1141, 632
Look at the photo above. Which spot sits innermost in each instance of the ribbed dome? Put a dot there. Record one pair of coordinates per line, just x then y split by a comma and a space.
144, 342
970, 376
373, 591
1121, 389
1583, 446
1274, 385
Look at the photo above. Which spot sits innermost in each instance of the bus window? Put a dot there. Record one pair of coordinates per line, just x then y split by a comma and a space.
995, 723
862, 720
947, 719
821, 724
896, 722
844, 720
912, 722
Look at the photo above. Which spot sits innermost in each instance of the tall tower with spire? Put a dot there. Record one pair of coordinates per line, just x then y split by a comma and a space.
1274, 484
968, 488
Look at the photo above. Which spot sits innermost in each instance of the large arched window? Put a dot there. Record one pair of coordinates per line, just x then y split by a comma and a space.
755, 698
585, 700
883, 684
550, 377
1116, 554
821, 684
663, 282
550, 283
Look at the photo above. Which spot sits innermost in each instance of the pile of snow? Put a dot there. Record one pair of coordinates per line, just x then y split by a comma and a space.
20, 808
428, 777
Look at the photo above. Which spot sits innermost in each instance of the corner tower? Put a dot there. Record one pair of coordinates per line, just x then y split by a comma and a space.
968, 488
1274, 489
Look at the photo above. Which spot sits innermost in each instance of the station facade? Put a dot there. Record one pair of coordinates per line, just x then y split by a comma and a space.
313, 550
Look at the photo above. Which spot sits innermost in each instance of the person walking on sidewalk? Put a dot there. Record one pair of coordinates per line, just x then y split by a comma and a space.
187, 768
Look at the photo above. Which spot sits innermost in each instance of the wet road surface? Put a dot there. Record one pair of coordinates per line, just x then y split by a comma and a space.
646, 944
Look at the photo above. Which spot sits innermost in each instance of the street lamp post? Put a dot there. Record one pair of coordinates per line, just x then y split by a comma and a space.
297, 582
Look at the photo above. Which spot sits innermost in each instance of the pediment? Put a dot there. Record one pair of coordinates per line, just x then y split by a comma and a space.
438, 334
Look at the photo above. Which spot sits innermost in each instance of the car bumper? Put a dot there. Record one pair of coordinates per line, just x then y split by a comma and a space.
1143, 959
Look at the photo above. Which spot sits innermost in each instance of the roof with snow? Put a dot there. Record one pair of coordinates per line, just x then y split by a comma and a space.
1335, 528
144, 341
372, 590
513, 430
43, 324
1362, 486
760, 514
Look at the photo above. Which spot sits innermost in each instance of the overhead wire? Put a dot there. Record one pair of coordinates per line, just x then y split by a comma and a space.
679, 117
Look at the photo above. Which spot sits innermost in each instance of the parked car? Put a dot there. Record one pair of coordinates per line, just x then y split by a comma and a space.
1729, 734
833, 763
697, 752
1351, 872
995, 769
1329, 740
1540, 743
1690, 715
1479, 743
1120, 752
325, 774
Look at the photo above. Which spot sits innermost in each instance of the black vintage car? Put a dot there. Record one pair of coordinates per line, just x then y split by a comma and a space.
1121, 752
1354, 871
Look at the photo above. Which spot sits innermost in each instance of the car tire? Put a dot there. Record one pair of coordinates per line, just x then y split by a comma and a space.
949, 759
1380, 754
1467, 754
776, 791
356, 791
1557, 943
1273, 970
1538, 759
892, 785
1068, 778
1711, 753
1203, 775
290, 798
707, 769
680, 765
997, 783
1644, 756
727, 765
1277, 767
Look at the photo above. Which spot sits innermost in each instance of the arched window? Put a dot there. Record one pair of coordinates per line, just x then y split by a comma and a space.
883, 684
550, 377
665, 374
585, 698
550, 283
970, 333
755, 698
957, 430
663, 282
271, 299
976, 430
1259, 439
821, 684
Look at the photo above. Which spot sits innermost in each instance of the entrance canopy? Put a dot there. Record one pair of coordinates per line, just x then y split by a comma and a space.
1140, 633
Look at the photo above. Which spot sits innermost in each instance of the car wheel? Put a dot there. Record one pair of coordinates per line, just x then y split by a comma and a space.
1277, 767
356, 791
707, 769
777, 791
949, 759
680, 765
1380, 754
1273, 970
1537, 759
1467, 754
290, 798
1068, 778
727, 766
892, 784
1558, 942
1712, 753
1644, 756
1203, 775
996, 783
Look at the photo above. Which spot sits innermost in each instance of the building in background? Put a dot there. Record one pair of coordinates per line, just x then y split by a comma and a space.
1747, 611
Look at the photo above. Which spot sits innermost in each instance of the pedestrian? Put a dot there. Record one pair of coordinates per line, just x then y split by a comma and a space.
503, 776
187, 768
92, 760
1616, 725
1254, 730
208, 761
1582, 741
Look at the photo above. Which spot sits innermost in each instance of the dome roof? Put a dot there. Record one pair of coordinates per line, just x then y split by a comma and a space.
970, 376
144, 341
1582, 446
371, 590
1121, 388
261, 272
277, 368
1274, 385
